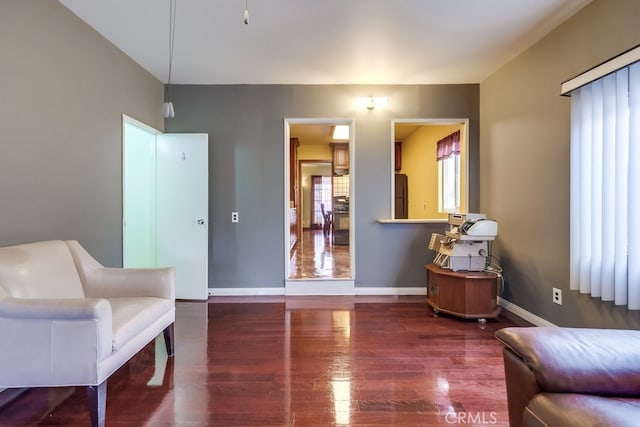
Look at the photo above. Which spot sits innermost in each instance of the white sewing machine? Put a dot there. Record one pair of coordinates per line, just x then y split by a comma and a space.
466, 245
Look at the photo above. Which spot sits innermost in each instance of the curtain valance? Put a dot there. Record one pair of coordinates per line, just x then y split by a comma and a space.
449, 146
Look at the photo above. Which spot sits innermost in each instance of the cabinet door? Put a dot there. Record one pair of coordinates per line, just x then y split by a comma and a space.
446, 293
293, 172
341, 157
398, 156
401, 202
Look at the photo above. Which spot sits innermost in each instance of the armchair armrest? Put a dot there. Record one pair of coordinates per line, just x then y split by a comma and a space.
53, 341
130, 282
102, 282
579, 360
55, 309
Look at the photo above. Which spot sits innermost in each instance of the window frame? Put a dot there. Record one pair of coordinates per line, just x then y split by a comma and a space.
463, 191
445, 192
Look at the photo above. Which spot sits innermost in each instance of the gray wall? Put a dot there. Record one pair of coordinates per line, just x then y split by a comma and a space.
245, 125
525, 161
63, 91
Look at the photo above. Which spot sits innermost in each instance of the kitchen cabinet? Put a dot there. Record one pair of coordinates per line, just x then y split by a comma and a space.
401, 194
294, 143
340, 158
397, 154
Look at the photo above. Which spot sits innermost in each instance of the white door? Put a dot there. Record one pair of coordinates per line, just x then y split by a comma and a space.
182, 211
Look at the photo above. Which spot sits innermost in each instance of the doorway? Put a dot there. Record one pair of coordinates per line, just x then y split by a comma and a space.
319, 253
165, 205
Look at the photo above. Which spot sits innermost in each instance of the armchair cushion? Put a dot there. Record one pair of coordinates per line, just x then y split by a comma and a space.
132, 315
571, 409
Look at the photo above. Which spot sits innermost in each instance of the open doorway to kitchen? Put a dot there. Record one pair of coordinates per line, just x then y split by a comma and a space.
319, 211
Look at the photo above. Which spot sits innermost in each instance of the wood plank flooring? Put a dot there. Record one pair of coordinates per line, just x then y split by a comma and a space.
303, 361
314, 256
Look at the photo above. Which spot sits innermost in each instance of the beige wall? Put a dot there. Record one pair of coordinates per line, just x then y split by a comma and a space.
524, 160
63, 91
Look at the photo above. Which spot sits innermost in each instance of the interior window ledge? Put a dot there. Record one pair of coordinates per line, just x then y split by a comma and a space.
413, 221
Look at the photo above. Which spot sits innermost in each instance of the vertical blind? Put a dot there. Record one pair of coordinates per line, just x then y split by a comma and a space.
605, 187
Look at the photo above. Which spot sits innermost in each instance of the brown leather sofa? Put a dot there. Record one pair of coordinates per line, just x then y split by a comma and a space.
572, 376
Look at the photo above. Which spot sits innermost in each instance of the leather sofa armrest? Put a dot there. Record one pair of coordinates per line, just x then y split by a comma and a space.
103, 282
56, 309
578, 360
49, 341
521, 385
130, 282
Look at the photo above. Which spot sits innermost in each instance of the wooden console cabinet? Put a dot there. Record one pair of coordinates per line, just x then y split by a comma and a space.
467, 294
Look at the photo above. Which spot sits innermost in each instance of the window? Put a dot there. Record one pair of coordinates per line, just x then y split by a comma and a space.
321, 188
428, 185
605, 172
448, 155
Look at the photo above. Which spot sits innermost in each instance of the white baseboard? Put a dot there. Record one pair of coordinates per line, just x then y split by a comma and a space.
522, 313
244, 292
392, 291
319, 287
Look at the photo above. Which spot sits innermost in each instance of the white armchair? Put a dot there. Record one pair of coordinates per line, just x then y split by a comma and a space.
65, 320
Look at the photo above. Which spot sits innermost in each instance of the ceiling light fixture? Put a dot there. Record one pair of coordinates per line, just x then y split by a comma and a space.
340, 133
245, 16
167, 106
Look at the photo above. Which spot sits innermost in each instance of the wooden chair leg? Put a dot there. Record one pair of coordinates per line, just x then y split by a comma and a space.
97, 403
168, 340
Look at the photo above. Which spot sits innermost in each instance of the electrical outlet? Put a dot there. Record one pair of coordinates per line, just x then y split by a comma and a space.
557, 296
234, 217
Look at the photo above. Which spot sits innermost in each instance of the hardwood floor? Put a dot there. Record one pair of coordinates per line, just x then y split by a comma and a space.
315, 256
301, 361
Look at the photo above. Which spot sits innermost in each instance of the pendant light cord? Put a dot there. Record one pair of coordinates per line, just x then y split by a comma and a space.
172, 33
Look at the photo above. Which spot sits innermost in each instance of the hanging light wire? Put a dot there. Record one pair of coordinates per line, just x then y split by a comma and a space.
168, 105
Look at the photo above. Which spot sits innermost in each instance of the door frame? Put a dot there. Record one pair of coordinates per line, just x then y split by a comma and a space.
321, 286
130, 120
153, 187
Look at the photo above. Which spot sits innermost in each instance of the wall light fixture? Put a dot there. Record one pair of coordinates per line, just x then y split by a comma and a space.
372, 102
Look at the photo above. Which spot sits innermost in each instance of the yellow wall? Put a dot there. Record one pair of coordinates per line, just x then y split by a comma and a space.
314, 152
420, 165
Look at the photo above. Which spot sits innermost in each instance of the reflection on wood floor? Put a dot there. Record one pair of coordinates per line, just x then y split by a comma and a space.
367, 361
316, 257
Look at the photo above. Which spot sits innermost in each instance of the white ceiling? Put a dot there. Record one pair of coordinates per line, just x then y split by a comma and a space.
325, 41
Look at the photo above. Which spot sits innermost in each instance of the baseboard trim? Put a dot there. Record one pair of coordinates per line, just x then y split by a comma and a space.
522, 313
319, 287
244, 292
392, 291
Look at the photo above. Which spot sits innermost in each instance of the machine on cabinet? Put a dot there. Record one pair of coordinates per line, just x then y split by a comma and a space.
466, 245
